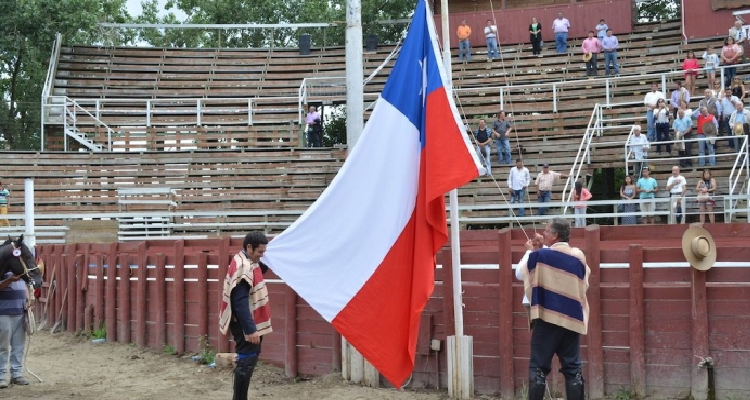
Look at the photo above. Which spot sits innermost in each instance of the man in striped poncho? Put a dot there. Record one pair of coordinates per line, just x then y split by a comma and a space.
555, 280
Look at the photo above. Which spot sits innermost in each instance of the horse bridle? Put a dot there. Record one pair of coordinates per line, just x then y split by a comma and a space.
26, 269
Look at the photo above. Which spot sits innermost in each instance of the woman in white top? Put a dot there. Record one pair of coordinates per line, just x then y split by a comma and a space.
662, 118
712, 61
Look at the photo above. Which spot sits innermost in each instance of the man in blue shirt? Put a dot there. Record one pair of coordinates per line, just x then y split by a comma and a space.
682, 125
740, 116
646, 187
609, 47
13, 297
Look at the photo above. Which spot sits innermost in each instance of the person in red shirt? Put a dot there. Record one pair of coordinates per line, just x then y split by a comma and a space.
690, 66
707, 127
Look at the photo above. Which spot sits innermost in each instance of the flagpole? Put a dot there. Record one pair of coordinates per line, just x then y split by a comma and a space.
460, 347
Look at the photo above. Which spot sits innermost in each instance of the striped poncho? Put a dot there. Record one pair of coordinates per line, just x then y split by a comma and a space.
241, 268
556, 280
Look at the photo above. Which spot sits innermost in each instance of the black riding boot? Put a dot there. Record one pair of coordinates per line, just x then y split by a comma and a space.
243, 371
683, 163
574, 387
537, 384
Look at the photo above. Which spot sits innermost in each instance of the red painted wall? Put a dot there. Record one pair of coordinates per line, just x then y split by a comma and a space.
646, 323
702, 22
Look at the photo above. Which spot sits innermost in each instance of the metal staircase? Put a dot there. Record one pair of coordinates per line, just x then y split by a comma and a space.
70, 129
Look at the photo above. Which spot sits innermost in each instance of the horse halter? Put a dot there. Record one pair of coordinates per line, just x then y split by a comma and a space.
17, 252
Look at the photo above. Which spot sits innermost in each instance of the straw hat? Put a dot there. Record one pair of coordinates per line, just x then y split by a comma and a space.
738, 129
709, 129
586, 57
699, 248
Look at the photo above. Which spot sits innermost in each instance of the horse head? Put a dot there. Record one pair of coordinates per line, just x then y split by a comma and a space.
15, 257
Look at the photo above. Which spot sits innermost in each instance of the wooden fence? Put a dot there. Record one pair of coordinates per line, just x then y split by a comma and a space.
651, 317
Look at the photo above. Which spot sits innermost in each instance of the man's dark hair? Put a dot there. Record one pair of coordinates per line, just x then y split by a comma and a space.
254, 238
519, 160
561, 227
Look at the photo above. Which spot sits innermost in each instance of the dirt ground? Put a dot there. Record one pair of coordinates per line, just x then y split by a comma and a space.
72, 367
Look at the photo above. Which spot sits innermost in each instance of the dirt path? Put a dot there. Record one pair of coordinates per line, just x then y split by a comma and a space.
73, 368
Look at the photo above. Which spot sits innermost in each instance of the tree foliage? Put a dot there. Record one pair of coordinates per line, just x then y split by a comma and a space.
658, 10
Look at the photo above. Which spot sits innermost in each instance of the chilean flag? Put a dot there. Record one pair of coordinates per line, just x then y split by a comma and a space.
363, 255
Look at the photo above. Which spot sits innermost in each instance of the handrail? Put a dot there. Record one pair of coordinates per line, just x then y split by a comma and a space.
77, 107
51, 69
582, 152
741, 163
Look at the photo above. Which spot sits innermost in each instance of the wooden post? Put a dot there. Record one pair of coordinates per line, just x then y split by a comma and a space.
160, 289
290, 345
224, 259
141, 298
444, 257
87, 318
179, 297
594, 348
111, 299
699, 387
73, 292
202, 286
64, 277
82, 272
336, 352
123, 300
637, 324
100, 285
505, 290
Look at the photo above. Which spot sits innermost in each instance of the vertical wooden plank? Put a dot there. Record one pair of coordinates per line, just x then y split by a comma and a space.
444, 258
336, 352
594, 337
72, 288
64, 289
81, 279
637, 323
161, 303
179, 297
87, 318
224, 258
100, 285
505, 290
202, 286
141, 338
54, 309
111, 294
290, 342
699, 384
123, 300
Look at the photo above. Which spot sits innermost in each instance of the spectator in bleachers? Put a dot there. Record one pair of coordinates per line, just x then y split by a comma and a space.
464, 46
679, 93
730, 55
682, 126
560, 27
544, 182
601, 29
4, 194
707, 127
662, 118
535, 36
518, 180
676, 185
638, 149
717, 92
710, 102
609, 47
740, 123
483, 136
581, 195
688, 111
627, 192
314, 128
650, 102
706, 188
738, 88
739, 35
501, 130
712, 62
490, 32
690, 66
646, 187
727, 105
591, 47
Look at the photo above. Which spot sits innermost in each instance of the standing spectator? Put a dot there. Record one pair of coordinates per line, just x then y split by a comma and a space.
609, 47
688, 112
638, 149
662, 118
560, 271
501, 130
682, 126
706, 188
712, 62
314, 128
676, 185
627, 192
710, 102
560, 27
646, 187
535, 36
518, 180
738, 88
730, 53
483, 136
464, 46
4, 194
591, 47
650, 102
13, 303
739, 35
245, 310
726, 108
679, 93
690, 66
601, 29
490, 32
544, 182
740, 123
706, 126
581, 195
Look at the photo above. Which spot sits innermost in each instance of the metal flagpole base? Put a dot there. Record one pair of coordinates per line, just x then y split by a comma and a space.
460, 366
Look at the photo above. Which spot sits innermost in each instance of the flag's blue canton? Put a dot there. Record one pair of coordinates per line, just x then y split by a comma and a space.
415, 69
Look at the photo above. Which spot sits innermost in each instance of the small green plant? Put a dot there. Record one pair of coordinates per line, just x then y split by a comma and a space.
623, 394
169, 349
100, 333
207, 355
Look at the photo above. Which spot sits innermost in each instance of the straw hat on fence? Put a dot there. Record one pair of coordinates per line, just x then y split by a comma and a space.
699, 248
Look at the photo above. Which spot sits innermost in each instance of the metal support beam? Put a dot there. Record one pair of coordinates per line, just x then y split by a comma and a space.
354, 74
